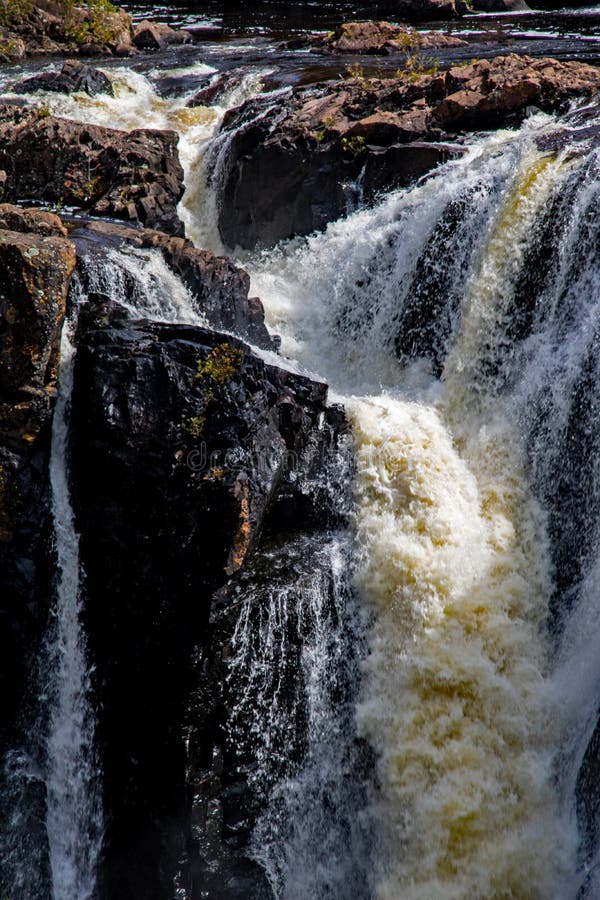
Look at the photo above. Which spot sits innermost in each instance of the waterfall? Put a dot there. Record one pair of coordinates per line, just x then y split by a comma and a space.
74, 809
293, 675
458, 322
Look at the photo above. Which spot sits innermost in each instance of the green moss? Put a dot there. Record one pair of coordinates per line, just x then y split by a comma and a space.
194, 425
220, 364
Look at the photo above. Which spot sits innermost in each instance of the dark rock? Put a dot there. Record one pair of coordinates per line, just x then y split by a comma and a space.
219, 287
134, 175
219, 85
150, 35
423, 10
401, 164
74, 76
288, 163
499, 5
35, 269
181, 441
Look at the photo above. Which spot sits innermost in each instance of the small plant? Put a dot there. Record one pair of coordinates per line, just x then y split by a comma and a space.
220, 364
407, 39
355, 146
194, 425
43, 111
416, 66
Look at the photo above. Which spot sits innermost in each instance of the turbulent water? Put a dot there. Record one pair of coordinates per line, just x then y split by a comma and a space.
459, 323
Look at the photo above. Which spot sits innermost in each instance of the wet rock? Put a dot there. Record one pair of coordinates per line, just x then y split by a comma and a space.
74, 76
499, 5
36, 262
289, 165
220, 288
218, 86
423, 10
150, 35
401, 164
382, 38
135, 176
182, 441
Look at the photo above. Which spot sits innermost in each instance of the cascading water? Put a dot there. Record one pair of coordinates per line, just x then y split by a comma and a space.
293, 677
73, 805
474, 370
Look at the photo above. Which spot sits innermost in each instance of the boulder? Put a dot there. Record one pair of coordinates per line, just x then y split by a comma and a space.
218, 86
426, 10
289, 167
150, 35
220, 288
135, 176
74, 76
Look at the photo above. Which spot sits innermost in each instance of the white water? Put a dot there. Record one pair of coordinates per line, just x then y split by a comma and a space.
474, 719
74, 808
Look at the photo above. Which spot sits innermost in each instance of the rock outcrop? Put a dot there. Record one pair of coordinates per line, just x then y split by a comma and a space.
183, 445
74, 76
135, 176
46, 27
381, 39
289, 166
219, 288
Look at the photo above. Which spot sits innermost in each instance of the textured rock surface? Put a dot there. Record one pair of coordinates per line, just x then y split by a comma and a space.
36, 262
74, 76
287, 165
219, 287
150, 35
381, 38
183, 442
134, 175
47, 27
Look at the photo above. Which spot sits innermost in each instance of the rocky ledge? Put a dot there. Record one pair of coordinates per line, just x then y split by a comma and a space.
290, 165
376, 38
135, 176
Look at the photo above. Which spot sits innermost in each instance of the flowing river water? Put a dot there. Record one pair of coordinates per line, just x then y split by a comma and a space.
458, 321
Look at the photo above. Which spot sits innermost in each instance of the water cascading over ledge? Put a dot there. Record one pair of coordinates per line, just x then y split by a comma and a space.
461, 312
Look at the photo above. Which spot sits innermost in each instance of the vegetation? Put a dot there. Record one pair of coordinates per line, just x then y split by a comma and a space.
220, 364
355, 146
96, 27
13, 12
194, 425
415, 66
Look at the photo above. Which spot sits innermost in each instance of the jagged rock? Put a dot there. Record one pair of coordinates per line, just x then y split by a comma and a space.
219, 287
182, 440
287, 165
401, 164
421, 10
134, 175
224, 81
51, 26
382, 38
499, 5
74, 76
150, 35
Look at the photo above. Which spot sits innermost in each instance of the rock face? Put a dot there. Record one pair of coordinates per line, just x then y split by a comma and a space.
220, 289
36, 262
44, 27
422, 10
289, 166
183, 443
74, 76
134, 175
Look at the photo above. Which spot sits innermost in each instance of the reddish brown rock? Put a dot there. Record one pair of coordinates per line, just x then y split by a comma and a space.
134, 176
150, 35
382, 38
286, 168
53, 26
